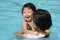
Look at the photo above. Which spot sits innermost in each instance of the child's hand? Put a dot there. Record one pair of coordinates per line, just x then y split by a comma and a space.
35, 33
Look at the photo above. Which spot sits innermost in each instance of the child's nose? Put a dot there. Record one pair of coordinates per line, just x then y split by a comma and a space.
26, 13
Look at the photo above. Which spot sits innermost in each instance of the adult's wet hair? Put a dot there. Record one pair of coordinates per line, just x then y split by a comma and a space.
29, 5
42, 19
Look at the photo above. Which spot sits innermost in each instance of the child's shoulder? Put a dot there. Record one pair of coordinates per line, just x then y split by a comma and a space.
24, 22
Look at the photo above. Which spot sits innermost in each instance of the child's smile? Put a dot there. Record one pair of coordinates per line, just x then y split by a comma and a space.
28, 17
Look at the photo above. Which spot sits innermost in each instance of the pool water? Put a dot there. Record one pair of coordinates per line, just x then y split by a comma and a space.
11, 18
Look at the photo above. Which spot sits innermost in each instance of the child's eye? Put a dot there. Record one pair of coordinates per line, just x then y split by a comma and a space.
24, 12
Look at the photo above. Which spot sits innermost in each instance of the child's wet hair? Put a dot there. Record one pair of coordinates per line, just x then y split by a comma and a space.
42, 19
29, 5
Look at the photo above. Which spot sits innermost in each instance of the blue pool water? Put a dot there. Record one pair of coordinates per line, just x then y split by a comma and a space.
11, 17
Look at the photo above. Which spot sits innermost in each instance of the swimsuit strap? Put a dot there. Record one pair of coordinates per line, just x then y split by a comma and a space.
28, 26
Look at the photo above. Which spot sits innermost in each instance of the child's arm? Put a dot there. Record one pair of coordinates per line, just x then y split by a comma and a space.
24, 29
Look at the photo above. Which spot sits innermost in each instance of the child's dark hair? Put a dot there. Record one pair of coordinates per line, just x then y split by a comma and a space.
29, 5
42, 19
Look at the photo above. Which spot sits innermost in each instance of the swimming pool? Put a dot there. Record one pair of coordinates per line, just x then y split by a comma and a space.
11, 17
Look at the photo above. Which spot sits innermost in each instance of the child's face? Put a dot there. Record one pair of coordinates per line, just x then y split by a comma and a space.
27, 13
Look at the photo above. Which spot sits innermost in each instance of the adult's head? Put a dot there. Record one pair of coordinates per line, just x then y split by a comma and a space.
42, 19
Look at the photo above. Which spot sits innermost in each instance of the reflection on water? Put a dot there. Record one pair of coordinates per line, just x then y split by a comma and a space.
11, 18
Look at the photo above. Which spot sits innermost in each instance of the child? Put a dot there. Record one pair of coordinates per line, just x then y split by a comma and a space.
42, 19
27, 25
